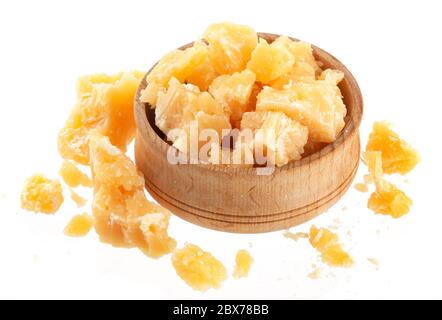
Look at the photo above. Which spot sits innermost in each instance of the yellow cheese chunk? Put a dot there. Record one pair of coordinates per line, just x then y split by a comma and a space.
72, 176
123, 215
41, 194
230, 46
327, 243
243, 264
104, 103
389, 200
397, 155
317, 105
79, 225
198, 268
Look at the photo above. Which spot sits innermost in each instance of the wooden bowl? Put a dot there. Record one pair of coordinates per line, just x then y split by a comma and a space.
236, 199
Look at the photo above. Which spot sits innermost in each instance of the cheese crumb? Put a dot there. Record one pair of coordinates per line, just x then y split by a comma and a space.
295, 236
244, 262
79, 200
79, 226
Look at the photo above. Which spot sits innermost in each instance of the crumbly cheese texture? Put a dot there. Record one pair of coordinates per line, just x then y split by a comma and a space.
398, 156
123, 215
317, 105
305, 68
198, 268
277, 137
79, 225
230, 46
270, 61
233, 93
104, 103
389, 200
72, 176
219, 82
243, 264
42, 195
191, 65
183, 108
327, 243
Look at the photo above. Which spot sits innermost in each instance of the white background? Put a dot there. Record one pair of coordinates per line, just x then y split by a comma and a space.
392, 48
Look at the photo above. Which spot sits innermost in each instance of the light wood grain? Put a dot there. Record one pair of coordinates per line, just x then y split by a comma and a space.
237, 199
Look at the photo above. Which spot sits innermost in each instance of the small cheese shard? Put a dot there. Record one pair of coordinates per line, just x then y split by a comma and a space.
397, 155
295, 236
198, 268
315, 274
233, 93
374, 262
270, 61
104, 103
72, 176
317, 105
79, 200
79, 225
41, 194
361, 187
389, 200
277, 137
230, 46
243, 264
326, 242
373, 160
123, 215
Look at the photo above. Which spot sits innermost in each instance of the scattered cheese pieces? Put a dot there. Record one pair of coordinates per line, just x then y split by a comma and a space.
199, 269
326, 242
41, 194
79, 226
243, 264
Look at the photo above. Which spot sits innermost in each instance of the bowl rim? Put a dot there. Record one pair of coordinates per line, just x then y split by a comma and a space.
351, 126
